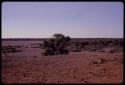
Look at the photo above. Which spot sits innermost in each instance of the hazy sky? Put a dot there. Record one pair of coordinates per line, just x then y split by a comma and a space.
76, 19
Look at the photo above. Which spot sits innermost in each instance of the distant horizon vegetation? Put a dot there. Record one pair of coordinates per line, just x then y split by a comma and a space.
50, 37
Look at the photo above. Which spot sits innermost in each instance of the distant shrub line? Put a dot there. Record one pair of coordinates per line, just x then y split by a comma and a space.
61, 44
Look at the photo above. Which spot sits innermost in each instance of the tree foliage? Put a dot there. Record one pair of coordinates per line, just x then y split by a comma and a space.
56, 45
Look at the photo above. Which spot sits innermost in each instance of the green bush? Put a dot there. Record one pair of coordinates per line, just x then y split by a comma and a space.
10, 49
56, 45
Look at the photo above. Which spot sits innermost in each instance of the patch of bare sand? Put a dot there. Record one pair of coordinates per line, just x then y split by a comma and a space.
76, 67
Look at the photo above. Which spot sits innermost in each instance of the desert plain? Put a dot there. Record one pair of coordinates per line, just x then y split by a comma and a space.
28, 65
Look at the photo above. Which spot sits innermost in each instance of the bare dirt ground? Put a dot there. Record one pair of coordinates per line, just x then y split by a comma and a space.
29, 66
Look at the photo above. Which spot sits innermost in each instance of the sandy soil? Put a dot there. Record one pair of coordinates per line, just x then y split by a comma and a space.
30, 66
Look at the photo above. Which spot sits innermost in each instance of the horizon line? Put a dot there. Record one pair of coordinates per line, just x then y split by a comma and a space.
50, 37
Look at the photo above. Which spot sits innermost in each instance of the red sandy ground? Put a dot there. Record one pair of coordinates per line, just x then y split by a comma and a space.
77, 67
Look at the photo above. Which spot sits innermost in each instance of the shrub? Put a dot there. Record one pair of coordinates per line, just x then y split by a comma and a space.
56, 45
77, 47
10, 49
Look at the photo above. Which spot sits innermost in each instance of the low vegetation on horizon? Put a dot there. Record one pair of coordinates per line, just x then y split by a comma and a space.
61, 45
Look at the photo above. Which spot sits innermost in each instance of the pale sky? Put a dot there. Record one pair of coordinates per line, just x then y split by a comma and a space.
75, 19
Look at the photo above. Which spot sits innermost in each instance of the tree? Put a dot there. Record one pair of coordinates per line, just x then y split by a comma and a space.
56, 45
